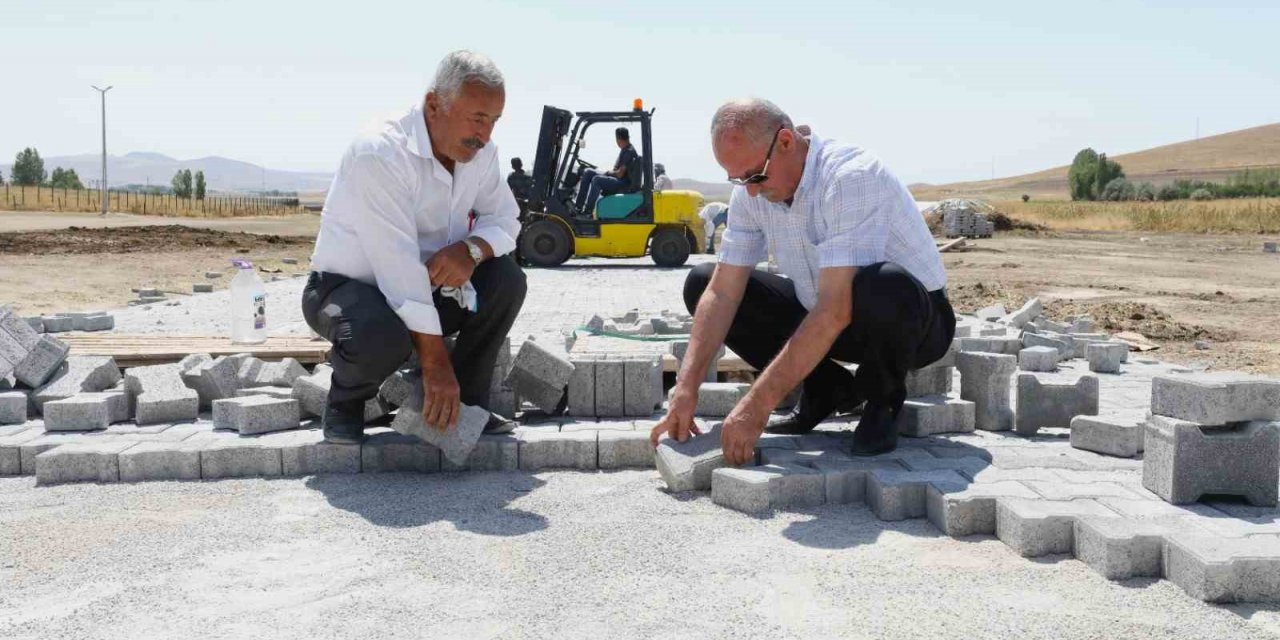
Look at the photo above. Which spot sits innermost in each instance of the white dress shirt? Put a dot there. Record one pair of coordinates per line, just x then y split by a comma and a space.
662, 183
392, 206
849, 211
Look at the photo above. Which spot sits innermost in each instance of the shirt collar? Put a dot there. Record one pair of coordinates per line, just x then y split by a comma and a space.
810, 164
419, 138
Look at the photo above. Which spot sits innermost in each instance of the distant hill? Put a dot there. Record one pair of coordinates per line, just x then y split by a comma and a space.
712, 191
1213, 158
221, 174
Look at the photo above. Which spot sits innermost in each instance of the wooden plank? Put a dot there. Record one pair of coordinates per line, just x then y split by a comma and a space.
958, 243
137, 350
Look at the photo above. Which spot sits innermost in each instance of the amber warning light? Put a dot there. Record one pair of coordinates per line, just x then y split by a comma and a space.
638, 104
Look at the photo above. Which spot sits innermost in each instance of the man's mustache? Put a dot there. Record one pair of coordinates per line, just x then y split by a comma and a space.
473, 143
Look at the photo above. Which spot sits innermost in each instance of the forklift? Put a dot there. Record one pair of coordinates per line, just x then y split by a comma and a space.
664, 225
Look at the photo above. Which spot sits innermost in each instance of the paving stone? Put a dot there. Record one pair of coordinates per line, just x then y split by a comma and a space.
642, 385
1185, 460
249, 366
390, 451
312, 394
493, 452
1217, 569
970, 465
678, 348
984, 381
1063, 347
998, 345
80, 462
238, 459
1110, 435
280, 393
845, 478
1211, 401
929, 415
992, 313
86, 412
624, 450
1082, 324
1120, 549
79, 374
582, 386
456, 443
717, 399
94, 322
610, 377
929, 381
161, 395
1034, 528
541, 450
42, 361
760, 490
395, 389
540, 375
1038, 359
276, 374
13, 407
1052, 405
213, 379
1018, 319
1105, 357
1073, 491
687, 466
899, 495
308, 454
57, 324
147, 461
255, 415
961, 509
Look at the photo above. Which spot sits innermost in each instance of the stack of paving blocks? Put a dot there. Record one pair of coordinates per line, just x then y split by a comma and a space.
967, 223
613, 386
1209, 435
985, 380
929, 408
678, 349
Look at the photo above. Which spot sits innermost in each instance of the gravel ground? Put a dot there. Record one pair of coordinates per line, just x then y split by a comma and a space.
564, 555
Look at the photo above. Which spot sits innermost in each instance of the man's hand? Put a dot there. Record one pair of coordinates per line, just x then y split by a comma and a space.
441, 404
741, 430
451, 266
678, 423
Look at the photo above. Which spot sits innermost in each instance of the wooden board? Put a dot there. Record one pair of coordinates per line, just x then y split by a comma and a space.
132, 350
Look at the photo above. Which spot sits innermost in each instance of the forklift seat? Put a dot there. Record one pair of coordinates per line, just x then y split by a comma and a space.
618, 207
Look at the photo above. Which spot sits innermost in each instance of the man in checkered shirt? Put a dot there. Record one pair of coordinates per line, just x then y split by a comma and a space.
864, 284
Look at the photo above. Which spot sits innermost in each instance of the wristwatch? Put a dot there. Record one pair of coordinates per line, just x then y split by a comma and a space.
477, 254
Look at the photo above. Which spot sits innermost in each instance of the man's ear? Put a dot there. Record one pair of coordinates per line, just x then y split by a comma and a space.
432, 104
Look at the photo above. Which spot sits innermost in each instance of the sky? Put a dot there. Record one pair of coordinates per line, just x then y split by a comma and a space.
943, 91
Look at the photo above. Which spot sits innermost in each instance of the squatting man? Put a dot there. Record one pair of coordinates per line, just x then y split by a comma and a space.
415, 244
864, 284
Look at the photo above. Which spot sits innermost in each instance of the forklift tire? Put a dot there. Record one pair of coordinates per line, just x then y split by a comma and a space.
545, 243
670, 248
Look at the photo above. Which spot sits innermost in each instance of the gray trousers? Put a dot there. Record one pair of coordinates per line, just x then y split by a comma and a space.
370, 341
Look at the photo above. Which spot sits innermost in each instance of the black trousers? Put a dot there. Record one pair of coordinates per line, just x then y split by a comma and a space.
897, 326
370, 341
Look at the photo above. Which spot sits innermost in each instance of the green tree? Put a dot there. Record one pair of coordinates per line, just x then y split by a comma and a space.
65, 179
1080, 177
186, 183
1118, 190
200, 185
181, 183
1107, 171
1, 178
28, 168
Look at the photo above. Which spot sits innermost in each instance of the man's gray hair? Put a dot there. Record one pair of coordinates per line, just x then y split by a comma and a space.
756, 119
464, 67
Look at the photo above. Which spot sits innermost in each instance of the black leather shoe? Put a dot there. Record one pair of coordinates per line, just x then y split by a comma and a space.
877, 431
498, 425
806, 417
344, 422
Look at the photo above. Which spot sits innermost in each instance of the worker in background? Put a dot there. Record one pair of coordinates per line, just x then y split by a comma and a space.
624, 177
661, 182
713, 216
864, 284
520, 183
415, 245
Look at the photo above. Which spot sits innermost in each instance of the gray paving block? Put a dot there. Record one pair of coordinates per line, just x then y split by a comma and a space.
687, 466
1038, 359
36, 323
493, 452
96, 322
929, 381
1118, 548
717, 399
960, 509
1081, 342
610, 377
1081, 324
280, 393
309, 455
999, 345
212, 380
312, 394
1212, 401
147, 461
395, 389
1216, 569
42, 361
642, 385
1110, 435
57, 324
582, 386
238, 459
13, 407
80, 462
969, 465
540, 375
845, 478
1065, 345
1105, 357
277, 374
760, 490
161, 395
1052, 405
79, 374
624, 450
1185, 460
255, 415
456, 443
1034, 528
1073, 491
83, 412
202, 287
984, 381
194, 361
554, 450
249, 366
931, 415
389, 451
503, 401
1029, 311
899, 495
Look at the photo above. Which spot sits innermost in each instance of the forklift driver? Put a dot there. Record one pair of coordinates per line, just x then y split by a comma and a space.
622, 178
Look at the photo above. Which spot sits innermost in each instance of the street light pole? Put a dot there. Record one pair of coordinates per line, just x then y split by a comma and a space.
103, 93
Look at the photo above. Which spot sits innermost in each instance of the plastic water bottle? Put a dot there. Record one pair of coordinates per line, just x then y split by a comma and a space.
248, 305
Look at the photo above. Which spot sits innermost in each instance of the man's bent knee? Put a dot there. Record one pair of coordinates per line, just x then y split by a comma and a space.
375, 343
696, 283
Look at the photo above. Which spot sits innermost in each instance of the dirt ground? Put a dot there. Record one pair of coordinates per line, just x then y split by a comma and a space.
1174, 289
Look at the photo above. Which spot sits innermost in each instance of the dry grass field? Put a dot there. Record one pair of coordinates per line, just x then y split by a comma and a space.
14, 198
1242, 215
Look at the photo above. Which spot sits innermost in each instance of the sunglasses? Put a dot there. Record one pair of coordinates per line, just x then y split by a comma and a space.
763, 175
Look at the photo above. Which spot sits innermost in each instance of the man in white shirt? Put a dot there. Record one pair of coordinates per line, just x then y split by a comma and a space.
713, 215
414, 245
661, 181
865, 284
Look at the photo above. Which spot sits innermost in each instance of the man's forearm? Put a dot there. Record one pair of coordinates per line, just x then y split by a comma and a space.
799, 356
711, 321
432, 354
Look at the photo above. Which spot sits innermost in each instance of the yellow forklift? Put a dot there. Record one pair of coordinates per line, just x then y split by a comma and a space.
664, 225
